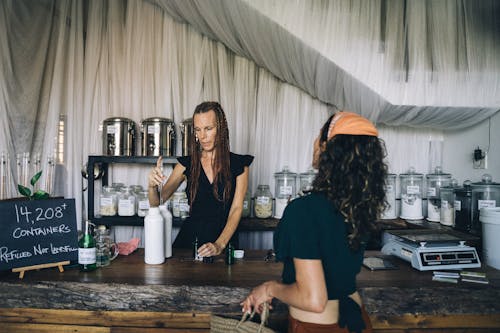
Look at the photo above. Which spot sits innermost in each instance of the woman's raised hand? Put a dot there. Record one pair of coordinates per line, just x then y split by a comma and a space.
156, 176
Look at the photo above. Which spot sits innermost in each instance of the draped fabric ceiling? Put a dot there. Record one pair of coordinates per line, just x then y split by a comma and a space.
252, 30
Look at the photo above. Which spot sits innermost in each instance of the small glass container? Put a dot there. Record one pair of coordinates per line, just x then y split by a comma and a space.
263, 206
176, 203
306, 180
246, 204
126, 202
142, 203
108, 202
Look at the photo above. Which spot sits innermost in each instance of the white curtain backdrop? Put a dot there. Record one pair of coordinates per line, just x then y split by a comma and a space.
137, 60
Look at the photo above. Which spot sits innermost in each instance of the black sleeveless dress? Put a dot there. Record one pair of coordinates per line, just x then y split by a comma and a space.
208, 215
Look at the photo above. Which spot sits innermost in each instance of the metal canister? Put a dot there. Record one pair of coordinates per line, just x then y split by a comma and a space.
118, 136
187, 135
158, 137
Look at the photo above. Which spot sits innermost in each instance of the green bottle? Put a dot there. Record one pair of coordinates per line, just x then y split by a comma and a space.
229, 254
87, 249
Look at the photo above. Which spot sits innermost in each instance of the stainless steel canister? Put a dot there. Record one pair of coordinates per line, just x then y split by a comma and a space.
158, 137
118, 136
187, 135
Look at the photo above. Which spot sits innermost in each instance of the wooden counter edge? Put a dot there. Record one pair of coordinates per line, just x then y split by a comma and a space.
201, 321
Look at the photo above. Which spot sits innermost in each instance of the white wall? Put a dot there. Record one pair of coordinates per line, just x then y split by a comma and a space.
459, 147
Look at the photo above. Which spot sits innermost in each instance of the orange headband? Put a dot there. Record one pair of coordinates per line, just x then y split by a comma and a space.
350, 123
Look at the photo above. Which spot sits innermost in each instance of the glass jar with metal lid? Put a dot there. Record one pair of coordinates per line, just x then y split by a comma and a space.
390, 197
108, 201
263, 205
485, 194
434, 183
447, 210
187, 135
411, 195
126, 202
285, 190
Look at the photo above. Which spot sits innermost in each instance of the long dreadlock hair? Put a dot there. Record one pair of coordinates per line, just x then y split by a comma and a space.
221, 163
352, 174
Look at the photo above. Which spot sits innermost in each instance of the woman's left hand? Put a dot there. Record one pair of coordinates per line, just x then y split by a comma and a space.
257, 298
210, 250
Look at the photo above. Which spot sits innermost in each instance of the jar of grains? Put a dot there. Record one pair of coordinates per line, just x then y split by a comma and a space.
107, 201
126, 202
263, 205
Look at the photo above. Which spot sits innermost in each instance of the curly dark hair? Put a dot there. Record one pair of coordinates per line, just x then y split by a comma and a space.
221, 164
352, 175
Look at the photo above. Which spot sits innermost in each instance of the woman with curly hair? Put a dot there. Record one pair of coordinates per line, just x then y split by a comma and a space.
217, 181
322, 236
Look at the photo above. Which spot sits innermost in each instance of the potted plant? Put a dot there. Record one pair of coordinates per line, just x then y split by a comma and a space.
33, 195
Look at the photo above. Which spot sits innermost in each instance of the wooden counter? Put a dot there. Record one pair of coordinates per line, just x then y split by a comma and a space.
180, 295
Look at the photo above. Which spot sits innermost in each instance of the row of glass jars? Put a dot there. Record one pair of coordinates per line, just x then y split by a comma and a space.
133, 200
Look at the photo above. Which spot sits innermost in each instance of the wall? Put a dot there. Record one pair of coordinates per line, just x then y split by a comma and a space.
459, 146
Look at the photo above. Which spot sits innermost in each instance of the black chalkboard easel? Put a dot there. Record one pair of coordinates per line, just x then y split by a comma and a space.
37, 234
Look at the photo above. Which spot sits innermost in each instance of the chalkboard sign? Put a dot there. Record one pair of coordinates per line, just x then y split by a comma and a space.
36, 232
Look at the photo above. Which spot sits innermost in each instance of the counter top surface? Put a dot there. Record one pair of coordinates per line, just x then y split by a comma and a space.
183, 285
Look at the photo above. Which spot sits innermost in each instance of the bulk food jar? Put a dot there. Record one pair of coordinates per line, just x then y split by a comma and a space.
447, 213
434, 183
108, 201
285, 190
306, 180
390, 196
463, 207
485, 194
263, 205
411, 195
246, 204
126, 202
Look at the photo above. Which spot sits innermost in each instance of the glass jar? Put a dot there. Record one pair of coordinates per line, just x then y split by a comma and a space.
176, 203
485, 194
126, 202
435, 181
136, 189
285, 190
263, 206
447, 214
142, 203
306, 180
107, 201
411, 195
463, 207
246, 205
390, 195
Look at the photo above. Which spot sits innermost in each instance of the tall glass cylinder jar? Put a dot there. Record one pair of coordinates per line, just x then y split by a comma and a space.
390, 195
411, 195
177, 200
263, 205
463, 207
285, 190
447, 193
126, 202
435, 181
108, 201
485, 194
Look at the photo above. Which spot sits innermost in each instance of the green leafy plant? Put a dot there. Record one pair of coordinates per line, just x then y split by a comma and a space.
38, 195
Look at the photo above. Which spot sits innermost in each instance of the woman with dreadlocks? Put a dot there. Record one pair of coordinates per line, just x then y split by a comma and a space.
321, 237
217, 181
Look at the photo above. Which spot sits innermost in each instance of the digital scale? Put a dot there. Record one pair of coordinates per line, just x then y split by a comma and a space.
430, 249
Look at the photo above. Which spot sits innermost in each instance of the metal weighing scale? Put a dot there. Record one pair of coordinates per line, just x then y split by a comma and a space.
430, 249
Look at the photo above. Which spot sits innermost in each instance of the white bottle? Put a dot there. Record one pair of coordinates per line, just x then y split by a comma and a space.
154, 237
167, 218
